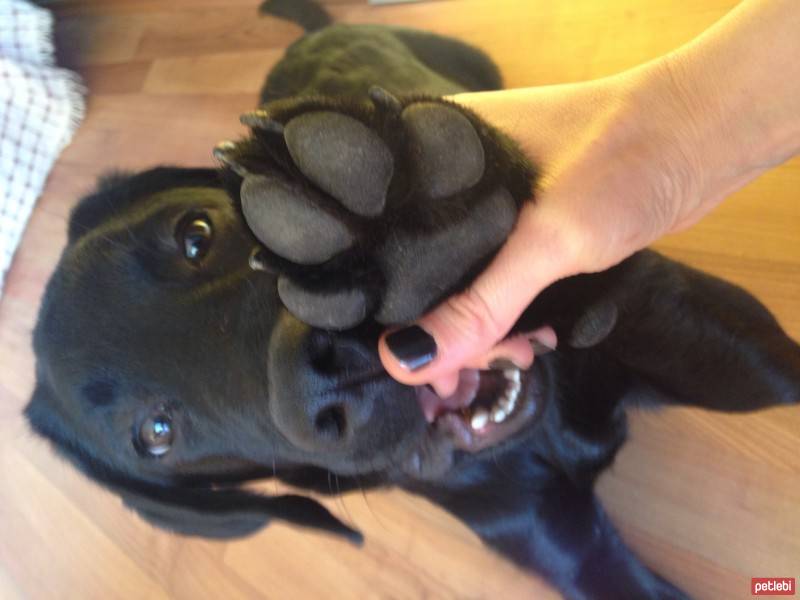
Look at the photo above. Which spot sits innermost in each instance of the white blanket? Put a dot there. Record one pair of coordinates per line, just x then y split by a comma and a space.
40, 108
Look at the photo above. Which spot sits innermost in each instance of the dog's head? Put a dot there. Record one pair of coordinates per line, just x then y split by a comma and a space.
169, 371
166, 367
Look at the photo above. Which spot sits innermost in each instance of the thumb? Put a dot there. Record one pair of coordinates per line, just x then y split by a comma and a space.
465, 329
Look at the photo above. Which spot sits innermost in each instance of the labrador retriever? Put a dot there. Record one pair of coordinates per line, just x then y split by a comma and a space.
205, 328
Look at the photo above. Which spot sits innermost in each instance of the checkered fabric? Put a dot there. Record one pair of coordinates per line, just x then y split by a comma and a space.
40, 108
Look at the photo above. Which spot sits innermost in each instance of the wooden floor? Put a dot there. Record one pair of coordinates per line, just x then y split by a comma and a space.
709, 501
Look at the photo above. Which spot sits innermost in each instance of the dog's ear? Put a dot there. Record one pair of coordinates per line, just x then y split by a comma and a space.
207, 511
694, 338
227, 513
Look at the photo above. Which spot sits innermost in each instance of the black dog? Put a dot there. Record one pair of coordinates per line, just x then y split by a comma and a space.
171, 365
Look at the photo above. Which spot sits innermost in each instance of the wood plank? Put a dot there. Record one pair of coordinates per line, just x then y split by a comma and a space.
225, 73
709, 500
120, 78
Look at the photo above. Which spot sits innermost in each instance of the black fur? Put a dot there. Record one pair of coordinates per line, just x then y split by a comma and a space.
129, 327
307, 14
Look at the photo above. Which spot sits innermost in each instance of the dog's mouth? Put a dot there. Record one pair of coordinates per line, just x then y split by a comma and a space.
487, 408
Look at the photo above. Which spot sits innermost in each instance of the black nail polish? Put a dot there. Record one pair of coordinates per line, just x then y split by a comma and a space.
413, 346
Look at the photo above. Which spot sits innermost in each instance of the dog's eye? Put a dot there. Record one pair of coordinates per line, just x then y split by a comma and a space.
195, 236
156, 435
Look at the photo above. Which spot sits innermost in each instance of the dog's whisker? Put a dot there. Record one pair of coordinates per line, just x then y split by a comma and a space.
341, 499
365, 495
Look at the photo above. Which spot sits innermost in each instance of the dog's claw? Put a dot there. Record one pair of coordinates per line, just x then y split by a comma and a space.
260, 119
223, 153
256, 260
384, 99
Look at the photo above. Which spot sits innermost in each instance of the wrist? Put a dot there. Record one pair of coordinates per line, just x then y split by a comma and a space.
734, 94
709, 140
709, 157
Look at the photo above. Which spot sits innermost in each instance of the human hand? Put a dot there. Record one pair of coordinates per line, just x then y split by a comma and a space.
623, 161
617, 171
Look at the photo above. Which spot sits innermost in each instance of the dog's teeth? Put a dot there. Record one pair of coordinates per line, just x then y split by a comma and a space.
514, 378
479, 419
507, 403
498, 414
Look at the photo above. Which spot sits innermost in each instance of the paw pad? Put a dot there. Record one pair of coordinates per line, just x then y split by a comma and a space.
447, 151
313, 236
343, 157
594, 325
419, 267
378, 211
339, 309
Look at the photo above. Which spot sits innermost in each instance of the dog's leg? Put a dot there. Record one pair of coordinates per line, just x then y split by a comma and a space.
690, 337
708, 343
459, 62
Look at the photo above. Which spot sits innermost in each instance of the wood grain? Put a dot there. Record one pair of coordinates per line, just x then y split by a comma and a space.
709, 500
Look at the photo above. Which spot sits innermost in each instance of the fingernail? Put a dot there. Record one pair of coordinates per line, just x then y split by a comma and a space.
501, 364
539, 348
412, 346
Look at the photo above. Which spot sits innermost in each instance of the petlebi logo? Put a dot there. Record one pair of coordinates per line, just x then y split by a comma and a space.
773, 586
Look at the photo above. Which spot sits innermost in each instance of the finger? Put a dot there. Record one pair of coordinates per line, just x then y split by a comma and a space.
516, 352
467, 326
445, 385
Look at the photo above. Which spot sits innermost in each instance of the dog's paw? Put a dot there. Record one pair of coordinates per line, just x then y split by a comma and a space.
374, 210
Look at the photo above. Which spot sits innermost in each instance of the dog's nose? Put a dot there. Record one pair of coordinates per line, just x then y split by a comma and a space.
334, 419
345, 364
334, 395
332, 354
